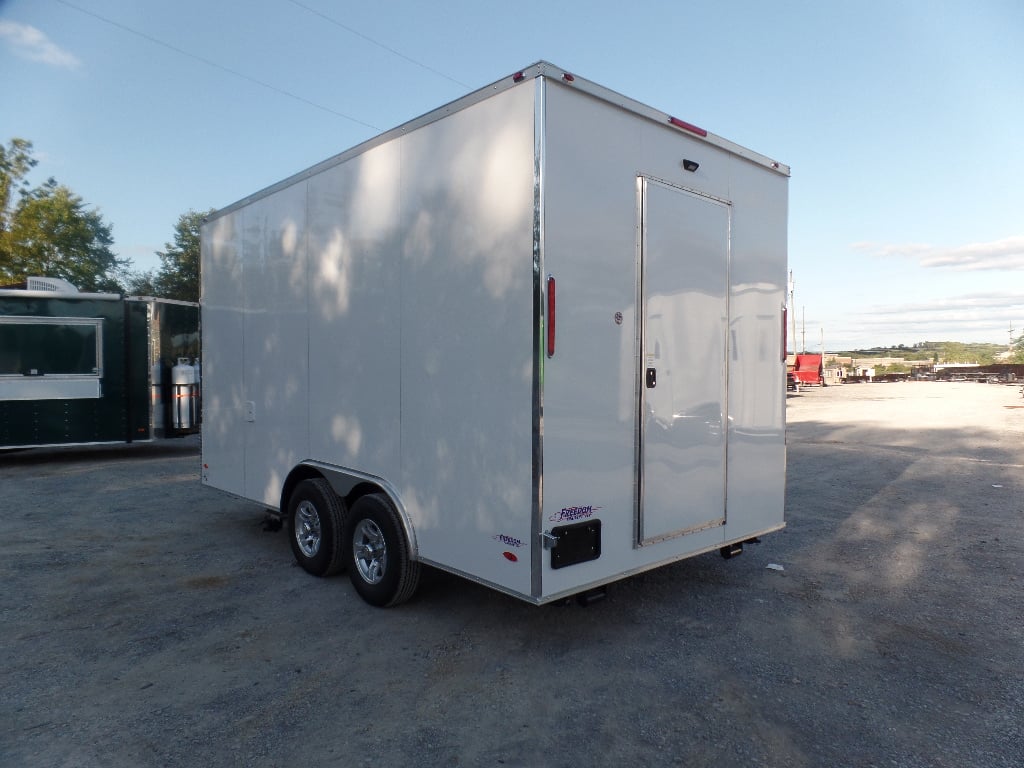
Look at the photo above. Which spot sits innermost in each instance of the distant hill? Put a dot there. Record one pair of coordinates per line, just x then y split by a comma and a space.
934, 351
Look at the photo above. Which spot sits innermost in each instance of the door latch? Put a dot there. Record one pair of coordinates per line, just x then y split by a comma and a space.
652, 378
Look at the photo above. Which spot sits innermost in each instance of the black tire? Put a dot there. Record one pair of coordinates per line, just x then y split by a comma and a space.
377, 554
315, 522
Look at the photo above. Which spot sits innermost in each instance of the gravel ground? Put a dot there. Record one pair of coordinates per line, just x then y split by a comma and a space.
148, 621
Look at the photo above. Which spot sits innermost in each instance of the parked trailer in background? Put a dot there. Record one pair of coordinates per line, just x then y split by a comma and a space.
533, 338
83, 368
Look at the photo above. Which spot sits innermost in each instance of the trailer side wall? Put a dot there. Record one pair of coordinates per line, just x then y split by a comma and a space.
377, 316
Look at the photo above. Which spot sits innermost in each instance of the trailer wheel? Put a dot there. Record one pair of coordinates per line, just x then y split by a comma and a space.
377, 553
315, 521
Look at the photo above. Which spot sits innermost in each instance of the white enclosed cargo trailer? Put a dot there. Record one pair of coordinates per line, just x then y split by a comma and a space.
535, 338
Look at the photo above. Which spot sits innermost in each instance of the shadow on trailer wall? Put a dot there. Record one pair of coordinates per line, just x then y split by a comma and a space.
83, 368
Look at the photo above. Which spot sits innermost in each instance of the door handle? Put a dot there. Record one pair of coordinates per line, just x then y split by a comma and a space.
652, 378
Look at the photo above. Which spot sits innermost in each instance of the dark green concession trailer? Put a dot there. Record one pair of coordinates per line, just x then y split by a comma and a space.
80, 368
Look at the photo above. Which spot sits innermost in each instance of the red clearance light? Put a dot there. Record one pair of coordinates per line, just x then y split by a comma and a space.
687, 126
551, 316
785, 334
510, 556
567, 77
518, 77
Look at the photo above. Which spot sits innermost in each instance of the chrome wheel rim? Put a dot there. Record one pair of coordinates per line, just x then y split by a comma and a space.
370, 551
308, 532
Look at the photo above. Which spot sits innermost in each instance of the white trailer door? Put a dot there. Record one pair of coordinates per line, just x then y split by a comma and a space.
681, 425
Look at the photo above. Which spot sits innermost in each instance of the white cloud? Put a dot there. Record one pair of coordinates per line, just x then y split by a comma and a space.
29, 43
966, 303
978, 317
968, 318
1005, 254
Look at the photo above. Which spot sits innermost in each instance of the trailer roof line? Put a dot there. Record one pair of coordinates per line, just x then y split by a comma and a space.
541, 69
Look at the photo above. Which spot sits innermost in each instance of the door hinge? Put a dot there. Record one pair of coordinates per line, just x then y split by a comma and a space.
549, 540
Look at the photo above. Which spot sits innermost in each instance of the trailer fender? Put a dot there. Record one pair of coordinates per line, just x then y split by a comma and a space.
350, 485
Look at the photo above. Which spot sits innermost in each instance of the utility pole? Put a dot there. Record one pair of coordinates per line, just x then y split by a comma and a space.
803, 330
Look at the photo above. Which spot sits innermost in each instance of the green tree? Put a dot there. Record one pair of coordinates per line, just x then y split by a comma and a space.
893, 368
954, 352
49, 231
1017, 350
178, 276
15, 162
141, 283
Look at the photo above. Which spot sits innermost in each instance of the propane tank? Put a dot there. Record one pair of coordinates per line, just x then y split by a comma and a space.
183, 386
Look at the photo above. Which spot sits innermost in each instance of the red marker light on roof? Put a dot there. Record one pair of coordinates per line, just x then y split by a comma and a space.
518, 77
687, 126
567, 77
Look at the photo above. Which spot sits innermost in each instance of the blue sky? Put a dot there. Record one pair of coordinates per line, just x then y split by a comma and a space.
902, 120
